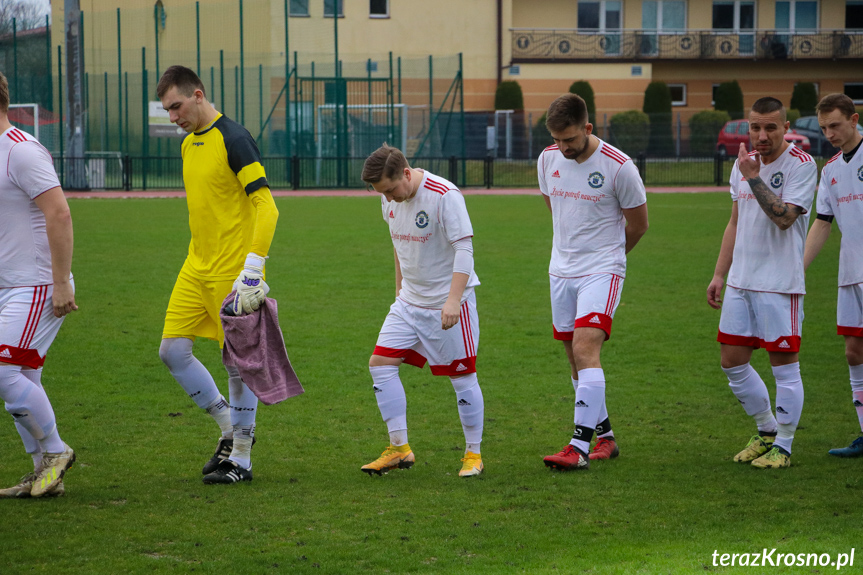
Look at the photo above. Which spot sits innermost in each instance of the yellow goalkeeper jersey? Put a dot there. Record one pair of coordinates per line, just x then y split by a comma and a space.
221, 167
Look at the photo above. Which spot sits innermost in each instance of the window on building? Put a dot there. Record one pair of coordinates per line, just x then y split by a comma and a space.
669, 15
329, 5
734, 15
854, 90
604, 17
678, 94
713, 94
379, 9
796, 15
299, 8
854, 15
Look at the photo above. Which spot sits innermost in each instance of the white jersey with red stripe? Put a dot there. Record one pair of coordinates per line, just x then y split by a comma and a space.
26, 171
423, 230
765, 257
840, 194
587, 200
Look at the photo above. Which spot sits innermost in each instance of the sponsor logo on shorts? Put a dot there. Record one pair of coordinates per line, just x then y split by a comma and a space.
422, 220
580, 403
556, 174
5, 353
595, 319
780, 409
461, 367
784, 344
463, 402
777, 179
595, 180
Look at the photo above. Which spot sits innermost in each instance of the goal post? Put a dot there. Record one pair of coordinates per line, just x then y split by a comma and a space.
42, 124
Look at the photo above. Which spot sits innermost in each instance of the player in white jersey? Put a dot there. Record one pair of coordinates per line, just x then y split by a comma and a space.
772, 189
840, 195
434, 317
36, 291
599, 212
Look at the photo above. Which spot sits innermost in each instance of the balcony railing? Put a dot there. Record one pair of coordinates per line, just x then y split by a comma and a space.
547, 45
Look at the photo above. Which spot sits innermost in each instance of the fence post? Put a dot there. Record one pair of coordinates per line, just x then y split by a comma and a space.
295, 173
642, 166
488, 167
126, 185
717, 169
453, 169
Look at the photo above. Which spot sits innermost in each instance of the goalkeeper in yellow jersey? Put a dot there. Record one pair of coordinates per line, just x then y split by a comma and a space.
232, 218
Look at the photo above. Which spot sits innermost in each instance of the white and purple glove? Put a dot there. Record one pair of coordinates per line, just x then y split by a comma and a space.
250, 286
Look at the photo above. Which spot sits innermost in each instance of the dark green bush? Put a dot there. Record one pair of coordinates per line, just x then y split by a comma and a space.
657, 105
704, 129
541, 137
583, 89
508, 96
804, 98
729, 97
630, 131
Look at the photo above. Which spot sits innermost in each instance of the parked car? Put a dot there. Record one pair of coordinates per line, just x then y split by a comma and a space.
736, 132
808, 126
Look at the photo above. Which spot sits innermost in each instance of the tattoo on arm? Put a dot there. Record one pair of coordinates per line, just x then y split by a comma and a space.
772, 205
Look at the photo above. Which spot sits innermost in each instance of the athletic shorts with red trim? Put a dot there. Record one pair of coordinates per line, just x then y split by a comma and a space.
849, 310
587, 301
761, 319
27, 325
415, 335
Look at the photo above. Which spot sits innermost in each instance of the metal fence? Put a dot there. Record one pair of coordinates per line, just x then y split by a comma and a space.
303, 172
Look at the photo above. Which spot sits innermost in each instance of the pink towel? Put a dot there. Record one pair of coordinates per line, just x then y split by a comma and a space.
255, 345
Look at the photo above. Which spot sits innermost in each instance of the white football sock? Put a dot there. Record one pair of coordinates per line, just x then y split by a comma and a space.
241, 454
392, 402
193, 377
31, 408
789, 403
220, 410
244, 403
750, 391
589, 398
856, 372
31, 445
471, 409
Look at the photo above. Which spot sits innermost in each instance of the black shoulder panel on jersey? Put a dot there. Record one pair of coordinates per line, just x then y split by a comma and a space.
828, 219
241, 147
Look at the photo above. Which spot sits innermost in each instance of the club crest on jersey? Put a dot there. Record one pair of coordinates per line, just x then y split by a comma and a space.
860, 173
595, 180
777, 179
422, 219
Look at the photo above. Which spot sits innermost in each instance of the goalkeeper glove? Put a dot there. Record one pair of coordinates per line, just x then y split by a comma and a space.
250, 285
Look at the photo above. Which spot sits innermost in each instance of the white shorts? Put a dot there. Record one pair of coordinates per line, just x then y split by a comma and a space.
27, 325
849, 310
587, 301
761, 319
415, 335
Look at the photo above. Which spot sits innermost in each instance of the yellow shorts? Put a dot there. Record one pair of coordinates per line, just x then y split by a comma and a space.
193, 310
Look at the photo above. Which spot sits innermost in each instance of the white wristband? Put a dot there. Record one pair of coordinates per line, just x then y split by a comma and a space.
254, 261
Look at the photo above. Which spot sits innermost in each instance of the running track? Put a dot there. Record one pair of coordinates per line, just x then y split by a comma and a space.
360, 193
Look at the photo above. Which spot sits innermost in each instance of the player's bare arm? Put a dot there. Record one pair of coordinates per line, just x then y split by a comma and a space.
782, 214
636, 225
58, 227
818, 234
452, 308
723, 262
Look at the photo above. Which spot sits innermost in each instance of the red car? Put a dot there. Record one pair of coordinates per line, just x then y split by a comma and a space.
735, 132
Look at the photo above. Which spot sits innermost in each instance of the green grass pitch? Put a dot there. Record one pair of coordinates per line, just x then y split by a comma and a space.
135, 502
